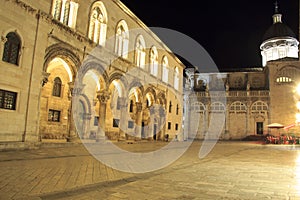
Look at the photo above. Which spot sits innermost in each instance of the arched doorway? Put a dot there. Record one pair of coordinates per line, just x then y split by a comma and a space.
56, 100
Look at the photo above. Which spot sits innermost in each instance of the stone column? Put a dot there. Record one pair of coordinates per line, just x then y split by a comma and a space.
74, 94
103, 96
86, 125
123, 118
162, 122
154, 111
248, 117
139, 118
186, 116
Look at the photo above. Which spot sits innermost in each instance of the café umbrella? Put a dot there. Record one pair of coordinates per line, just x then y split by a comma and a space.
275, 126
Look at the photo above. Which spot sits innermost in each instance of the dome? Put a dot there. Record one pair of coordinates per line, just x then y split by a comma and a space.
278, 30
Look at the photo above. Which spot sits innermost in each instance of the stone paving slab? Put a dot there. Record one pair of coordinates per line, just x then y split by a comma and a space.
232, 170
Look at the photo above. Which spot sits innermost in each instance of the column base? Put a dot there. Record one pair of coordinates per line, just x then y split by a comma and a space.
72, 139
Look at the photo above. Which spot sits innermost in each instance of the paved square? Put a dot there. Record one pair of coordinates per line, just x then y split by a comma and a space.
233, 170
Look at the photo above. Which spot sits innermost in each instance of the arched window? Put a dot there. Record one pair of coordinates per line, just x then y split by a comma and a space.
122, 39
98, 23
259, 106
140, 53
165, 71
283, 79
177, 109
176, 78
238, 107
170, 107
57, 87
198, 107
12, 48
65, 11
154, 61
217, 107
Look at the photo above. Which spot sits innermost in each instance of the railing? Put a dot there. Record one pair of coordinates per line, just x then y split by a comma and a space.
238, 93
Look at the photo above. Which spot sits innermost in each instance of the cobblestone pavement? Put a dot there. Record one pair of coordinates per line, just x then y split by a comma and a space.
233, 170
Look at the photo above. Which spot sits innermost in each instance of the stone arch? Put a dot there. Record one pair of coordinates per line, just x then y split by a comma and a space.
64, 52
97, 67
123, 82
161, 99
152, 91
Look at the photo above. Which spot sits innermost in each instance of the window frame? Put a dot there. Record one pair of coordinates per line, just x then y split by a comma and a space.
3, 93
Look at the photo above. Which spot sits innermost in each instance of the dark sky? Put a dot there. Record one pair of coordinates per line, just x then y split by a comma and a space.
230, 31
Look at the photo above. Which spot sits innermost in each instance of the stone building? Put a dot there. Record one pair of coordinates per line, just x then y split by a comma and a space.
123, 81
243, 102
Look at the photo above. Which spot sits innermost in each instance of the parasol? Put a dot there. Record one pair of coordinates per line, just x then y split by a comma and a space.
275, 126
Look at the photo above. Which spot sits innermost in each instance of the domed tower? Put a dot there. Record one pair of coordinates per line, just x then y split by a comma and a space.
279, 41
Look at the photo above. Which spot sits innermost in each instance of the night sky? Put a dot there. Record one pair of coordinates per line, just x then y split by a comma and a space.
231, 31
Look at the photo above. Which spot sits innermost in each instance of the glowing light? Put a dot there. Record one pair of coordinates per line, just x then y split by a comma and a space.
298, 89
298, 105
298, 118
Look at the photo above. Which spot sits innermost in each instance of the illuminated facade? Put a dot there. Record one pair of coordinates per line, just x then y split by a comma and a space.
43, 52
250, 98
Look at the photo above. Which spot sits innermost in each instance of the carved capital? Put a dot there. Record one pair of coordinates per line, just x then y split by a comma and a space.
45, 77
139, 107
75, 90
103, 96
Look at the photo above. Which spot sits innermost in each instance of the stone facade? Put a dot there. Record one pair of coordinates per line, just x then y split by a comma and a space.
243, 101
85, 53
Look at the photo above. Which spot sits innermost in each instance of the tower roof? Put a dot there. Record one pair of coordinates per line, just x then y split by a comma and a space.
278, 29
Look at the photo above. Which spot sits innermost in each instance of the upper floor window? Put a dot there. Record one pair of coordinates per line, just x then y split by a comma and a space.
217, 107
170, 107
98, 23
176, 78
198, 107
65, 11
57, 87
283, 80
259, 106
140, 53
122, 39
8, 100
165, 71
238, 106
12, 48
154, 61
238, 83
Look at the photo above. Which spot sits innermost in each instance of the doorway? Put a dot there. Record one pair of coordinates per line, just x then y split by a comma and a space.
259, 128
